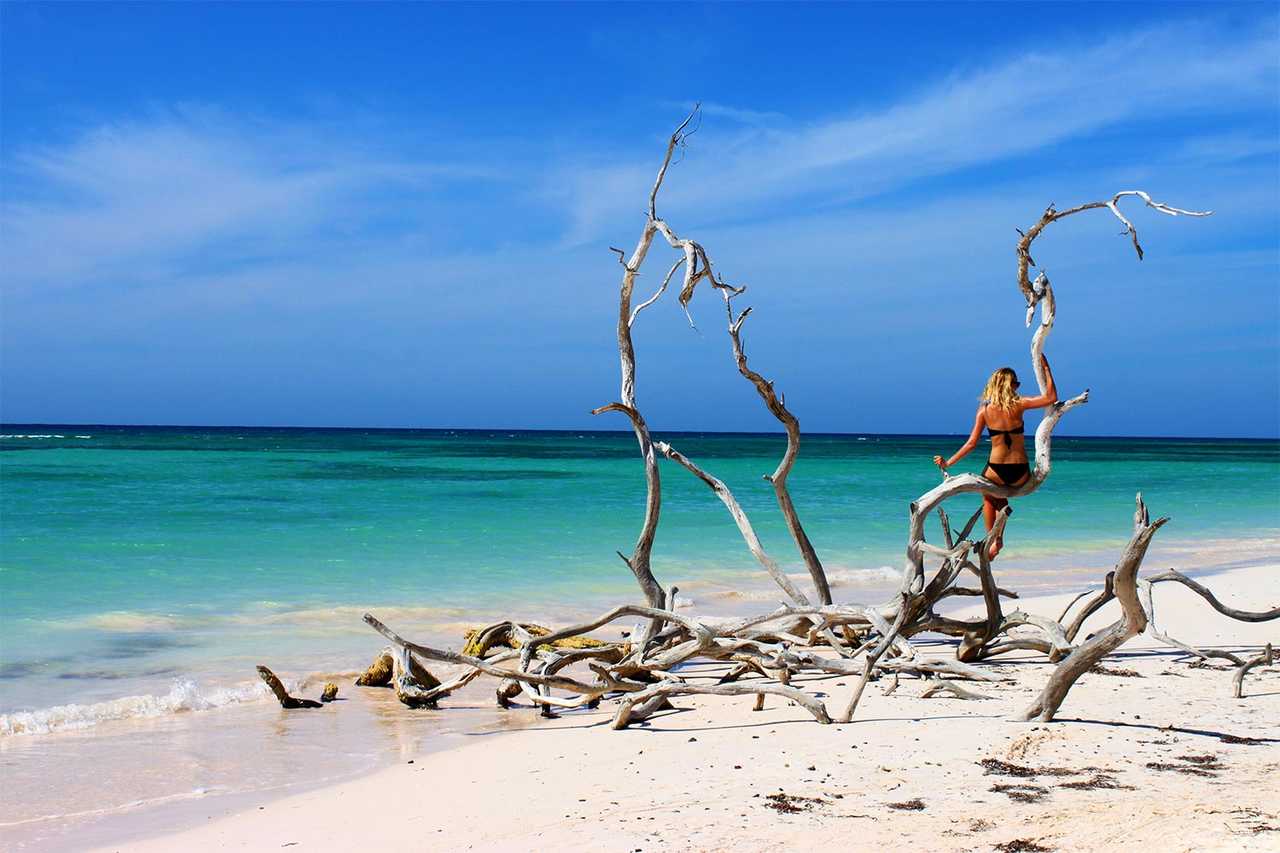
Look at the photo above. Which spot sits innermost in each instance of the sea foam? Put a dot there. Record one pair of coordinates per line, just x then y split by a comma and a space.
853, 576
184, 696
863, 576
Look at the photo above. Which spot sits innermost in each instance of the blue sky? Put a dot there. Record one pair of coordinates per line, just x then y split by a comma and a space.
399, 215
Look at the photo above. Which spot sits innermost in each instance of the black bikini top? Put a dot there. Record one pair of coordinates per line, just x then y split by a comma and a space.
1006, 434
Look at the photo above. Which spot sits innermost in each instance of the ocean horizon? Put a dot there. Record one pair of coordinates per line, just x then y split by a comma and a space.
33, 430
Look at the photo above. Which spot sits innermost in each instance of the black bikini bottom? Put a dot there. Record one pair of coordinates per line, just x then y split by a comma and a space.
1010, 473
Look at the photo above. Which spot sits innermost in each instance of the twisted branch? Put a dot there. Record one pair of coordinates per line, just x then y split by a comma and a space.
1051, 214
1131, 623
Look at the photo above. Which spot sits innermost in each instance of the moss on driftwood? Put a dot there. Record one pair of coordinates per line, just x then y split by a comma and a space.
478, 641
382, 673
379, 672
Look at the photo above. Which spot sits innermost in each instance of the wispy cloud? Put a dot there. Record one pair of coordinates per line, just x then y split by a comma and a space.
711, 109
1012, 108
1219, 148
196, 201
176, 194
132, 195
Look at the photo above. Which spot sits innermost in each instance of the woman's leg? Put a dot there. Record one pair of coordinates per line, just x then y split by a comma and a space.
991, 506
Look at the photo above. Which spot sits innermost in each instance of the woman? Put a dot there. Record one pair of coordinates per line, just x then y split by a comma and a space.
1001, 413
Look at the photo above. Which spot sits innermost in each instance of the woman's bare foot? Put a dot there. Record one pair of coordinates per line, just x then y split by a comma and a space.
994, 548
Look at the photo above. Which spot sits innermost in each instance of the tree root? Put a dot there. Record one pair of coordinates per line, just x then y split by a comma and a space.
1237, 680
941, 685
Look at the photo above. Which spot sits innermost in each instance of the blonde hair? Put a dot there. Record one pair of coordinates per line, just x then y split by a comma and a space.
1002, 390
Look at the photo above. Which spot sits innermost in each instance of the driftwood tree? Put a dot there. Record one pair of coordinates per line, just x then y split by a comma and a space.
561, 669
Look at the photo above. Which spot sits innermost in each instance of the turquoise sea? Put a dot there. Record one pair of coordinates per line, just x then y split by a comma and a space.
163, 562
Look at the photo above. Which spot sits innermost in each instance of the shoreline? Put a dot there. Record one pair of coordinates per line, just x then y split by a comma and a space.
131, 826
717, 593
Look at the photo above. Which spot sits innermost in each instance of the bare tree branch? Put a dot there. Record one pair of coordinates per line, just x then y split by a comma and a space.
1207, 595
740, 518
1053, 215
1267, 658
639, 562
778, 479
1132, 622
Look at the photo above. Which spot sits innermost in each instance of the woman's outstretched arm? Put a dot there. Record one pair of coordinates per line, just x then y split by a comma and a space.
1050, 395
966, 447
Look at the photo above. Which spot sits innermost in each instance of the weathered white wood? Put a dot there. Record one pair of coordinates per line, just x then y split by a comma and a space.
1266, 658
939, 666
1132, 622
1155, 205
776, 405
1072, 603
657, 294
739, 518
415, 686
629, 708
1055, 636
640, 559
1051, 214
941, 685
1149, 605
888, 637
972, 643
484, 666
1205, 593
1100, 598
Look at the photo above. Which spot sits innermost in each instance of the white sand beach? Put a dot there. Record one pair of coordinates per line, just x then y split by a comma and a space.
1152, 752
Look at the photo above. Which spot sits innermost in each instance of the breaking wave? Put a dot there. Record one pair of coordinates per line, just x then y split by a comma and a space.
863, 577
184, 696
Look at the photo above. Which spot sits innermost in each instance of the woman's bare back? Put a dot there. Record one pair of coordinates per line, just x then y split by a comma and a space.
1011, 446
